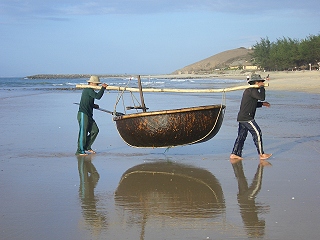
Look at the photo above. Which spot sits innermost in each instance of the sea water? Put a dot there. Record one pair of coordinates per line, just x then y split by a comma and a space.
13, 83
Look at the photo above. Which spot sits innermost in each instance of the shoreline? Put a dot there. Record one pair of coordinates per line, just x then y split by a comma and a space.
300, 81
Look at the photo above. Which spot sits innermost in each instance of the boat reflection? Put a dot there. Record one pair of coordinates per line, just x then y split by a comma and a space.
249, 210
167, 190
89, 178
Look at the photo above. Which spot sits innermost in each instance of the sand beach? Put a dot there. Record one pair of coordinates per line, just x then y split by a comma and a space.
301, 81
188, 192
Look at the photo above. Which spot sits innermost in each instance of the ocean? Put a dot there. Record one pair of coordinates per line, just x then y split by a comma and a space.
15, 83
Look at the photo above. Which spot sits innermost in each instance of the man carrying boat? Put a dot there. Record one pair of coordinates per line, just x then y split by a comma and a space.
88, 129
251, 100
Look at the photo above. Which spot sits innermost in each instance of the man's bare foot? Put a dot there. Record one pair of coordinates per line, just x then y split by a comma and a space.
265, 156
233, 156
91, 151
83, 154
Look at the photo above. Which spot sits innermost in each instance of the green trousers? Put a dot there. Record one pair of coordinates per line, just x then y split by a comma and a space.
88, 132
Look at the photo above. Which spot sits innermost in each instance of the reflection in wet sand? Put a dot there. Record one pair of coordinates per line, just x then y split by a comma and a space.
249, 210
89, 178
166, 189
173, 195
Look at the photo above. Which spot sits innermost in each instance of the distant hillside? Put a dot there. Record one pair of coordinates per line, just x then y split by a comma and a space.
230, 58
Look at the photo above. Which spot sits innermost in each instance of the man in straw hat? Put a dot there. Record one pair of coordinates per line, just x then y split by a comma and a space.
88, 129
251, 99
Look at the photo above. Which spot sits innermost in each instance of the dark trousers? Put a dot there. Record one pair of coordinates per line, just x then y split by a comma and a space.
256, 133
88, 132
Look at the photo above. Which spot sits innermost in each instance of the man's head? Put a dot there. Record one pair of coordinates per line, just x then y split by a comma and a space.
94, 80
255, 79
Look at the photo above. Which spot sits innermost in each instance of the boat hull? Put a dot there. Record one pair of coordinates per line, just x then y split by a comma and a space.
169, 128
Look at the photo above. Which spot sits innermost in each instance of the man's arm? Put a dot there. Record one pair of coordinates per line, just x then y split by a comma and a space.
99, 94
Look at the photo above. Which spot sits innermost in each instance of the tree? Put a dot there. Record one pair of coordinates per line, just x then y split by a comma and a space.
309, 50
261, 53
287, 53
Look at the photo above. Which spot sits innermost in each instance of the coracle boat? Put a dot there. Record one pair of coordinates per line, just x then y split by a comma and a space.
169, 128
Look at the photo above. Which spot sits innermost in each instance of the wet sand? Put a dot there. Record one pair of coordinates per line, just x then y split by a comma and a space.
49, 193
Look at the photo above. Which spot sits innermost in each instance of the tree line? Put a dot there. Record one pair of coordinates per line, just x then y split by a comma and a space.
287, 54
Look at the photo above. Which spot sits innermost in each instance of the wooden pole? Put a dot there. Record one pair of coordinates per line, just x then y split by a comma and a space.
107, 111
177, 90
141, 95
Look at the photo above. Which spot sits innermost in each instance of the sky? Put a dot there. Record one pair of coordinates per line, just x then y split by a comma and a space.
139, 36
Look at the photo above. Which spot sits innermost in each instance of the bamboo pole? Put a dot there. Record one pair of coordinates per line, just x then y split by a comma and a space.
107, 111
177, 90
141, 95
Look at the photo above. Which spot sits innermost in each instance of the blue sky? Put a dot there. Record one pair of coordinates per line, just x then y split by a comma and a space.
139, 36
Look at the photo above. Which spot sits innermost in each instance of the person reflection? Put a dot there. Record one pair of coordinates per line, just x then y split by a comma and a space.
249, 211
89, 178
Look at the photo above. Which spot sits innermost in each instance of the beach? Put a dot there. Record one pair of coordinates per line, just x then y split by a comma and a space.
49, 193
301, 81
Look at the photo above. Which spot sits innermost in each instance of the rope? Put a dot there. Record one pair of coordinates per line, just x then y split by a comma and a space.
134, 100
120, 96
123, 105
223, 102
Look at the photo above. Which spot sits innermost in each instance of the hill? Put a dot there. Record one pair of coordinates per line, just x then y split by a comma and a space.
231, 58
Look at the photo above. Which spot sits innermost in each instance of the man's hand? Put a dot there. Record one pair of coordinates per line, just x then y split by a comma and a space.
104, 85
266, 104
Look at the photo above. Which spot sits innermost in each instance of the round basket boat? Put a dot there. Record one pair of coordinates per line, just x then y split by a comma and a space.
169, 128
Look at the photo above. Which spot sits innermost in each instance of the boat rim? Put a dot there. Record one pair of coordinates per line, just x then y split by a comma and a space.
162, 112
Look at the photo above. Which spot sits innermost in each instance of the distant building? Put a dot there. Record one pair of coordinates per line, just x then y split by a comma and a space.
249, 67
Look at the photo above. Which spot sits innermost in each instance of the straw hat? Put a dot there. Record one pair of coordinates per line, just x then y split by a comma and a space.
94, 79
254, 78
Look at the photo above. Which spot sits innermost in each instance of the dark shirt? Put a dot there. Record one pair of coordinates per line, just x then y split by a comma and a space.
87, 100
249, 103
